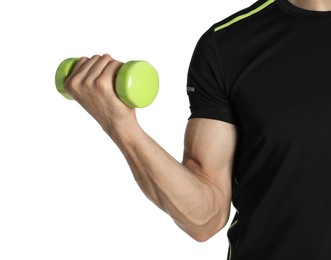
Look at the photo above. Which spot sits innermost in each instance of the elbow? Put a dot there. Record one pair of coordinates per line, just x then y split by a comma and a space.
204, 236
201, 225
204, 232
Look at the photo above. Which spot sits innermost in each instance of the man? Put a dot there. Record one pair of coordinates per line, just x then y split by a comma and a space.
259, 134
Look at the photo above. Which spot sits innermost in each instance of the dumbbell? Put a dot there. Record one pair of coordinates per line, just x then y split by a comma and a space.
137, 82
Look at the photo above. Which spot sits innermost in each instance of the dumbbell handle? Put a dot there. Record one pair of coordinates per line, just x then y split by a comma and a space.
137, 82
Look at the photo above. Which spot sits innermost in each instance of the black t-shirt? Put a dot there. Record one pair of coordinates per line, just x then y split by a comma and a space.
267, 69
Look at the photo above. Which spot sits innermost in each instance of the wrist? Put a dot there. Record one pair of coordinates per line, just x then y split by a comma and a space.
123, 131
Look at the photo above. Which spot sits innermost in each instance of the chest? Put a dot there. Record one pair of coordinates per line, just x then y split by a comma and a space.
284, 89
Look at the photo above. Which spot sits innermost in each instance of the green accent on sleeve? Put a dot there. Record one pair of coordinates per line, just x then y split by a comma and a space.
243, 16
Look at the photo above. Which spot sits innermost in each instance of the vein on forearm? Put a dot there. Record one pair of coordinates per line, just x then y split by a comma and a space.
170, 185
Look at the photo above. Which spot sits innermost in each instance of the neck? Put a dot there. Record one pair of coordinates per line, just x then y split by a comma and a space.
314, 5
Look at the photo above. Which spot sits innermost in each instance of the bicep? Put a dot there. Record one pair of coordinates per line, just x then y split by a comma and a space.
209, 148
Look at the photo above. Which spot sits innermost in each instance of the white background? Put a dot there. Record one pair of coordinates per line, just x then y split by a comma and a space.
66, 191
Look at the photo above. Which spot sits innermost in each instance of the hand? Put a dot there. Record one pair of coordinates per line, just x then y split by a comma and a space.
92, 85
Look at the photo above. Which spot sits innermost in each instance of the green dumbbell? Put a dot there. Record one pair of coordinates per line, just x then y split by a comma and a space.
137, 82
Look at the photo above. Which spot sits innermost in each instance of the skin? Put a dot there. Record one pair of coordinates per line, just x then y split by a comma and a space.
314, 5
196, 192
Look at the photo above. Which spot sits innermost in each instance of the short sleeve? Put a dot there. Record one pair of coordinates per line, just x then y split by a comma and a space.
206, 84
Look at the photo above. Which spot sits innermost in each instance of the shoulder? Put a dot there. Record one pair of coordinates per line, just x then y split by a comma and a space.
259, 9
242, 26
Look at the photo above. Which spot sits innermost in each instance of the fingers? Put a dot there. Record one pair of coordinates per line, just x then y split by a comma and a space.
86, 72
96, 69
109, 72
78, 65
85, 68
92, 85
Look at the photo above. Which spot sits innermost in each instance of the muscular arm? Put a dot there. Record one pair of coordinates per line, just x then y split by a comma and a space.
195, 193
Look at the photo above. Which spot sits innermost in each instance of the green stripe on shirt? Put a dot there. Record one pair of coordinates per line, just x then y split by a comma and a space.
243, 16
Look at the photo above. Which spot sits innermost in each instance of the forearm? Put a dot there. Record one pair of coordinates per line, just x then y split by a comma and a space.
193, 202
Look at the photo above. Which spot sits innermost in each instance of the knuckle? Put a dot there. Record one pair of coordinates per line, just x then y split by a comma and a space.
75, 81
101, 84
83, 60
96, 56
71, 83
106, 56
88, 82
